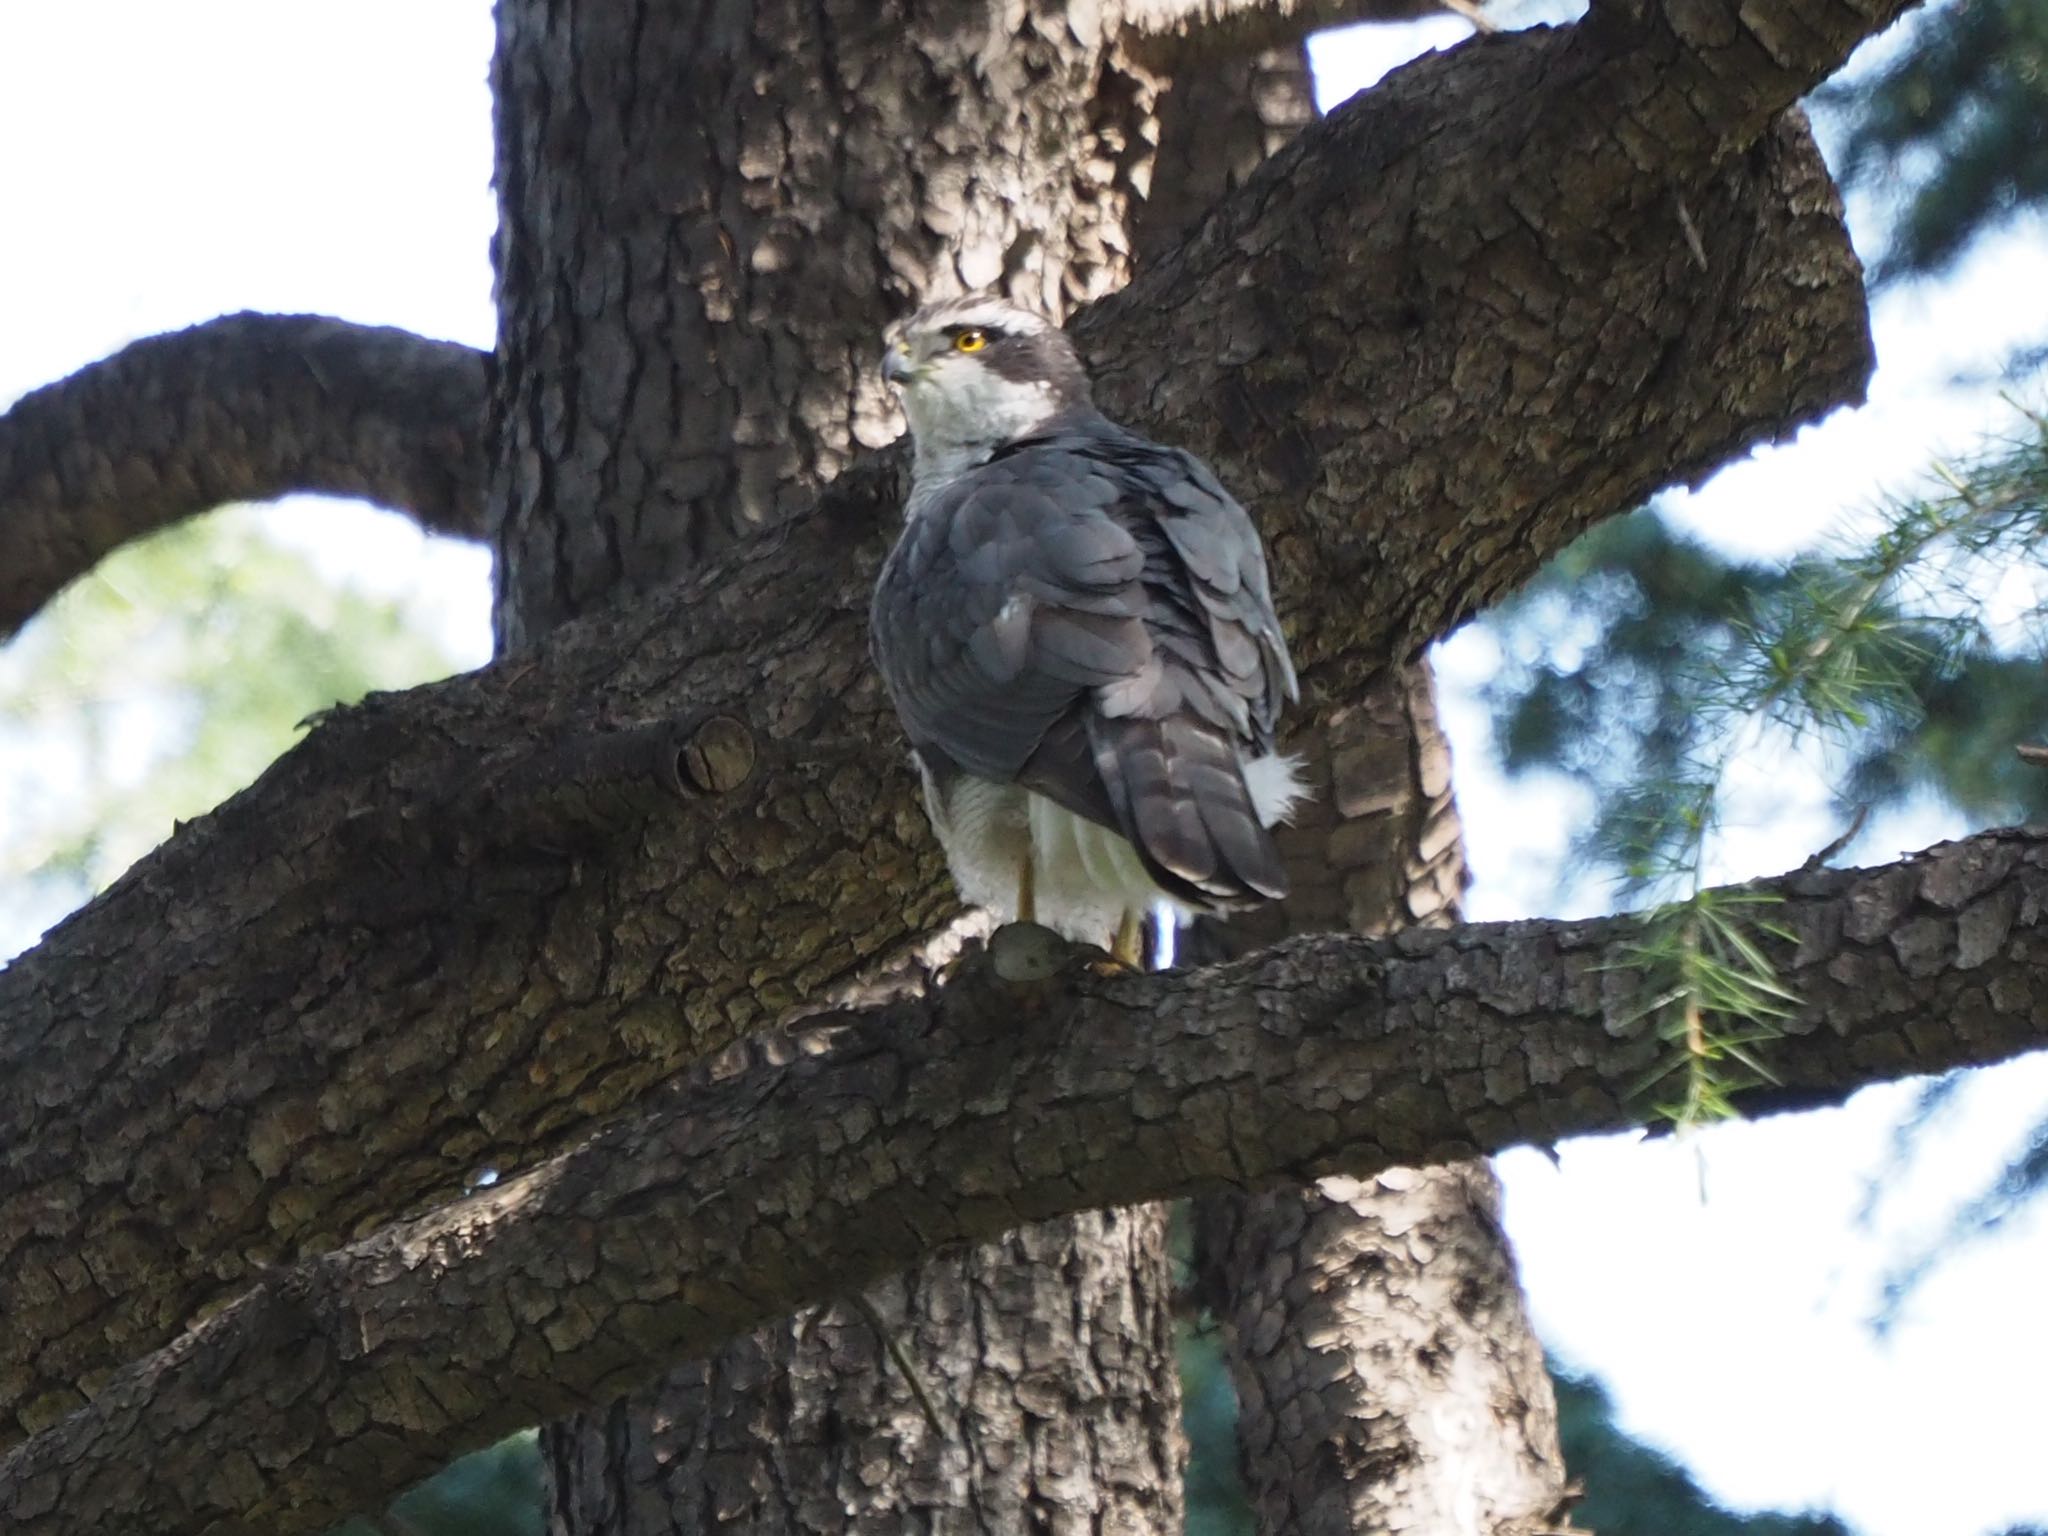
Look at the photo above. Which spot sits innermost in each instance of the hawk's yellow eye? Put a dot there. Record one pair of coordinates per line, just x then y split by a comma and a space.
970, 341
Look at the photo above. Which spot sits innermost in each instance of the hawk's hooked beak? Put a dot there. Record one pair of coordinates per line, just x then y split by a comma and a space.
897, 367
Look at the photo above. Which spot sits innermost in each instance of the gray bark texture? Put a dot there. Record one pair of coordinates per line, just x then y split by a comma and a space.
1226, 110
807, 1163
460, 925
707, 219
241, 408
1056, 1417
1387, 1375
1431, 340
709, 212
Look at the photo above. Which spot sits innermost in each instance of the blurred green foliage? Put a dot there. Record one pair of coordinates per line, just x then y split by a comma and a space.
174, 673
1626, 654
166, 679
1208, 1411
1957, 124
1639, 655
148, 692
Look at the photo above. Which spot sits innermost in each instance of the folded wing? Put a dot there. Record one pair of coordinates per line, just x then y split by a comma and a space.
1088, 615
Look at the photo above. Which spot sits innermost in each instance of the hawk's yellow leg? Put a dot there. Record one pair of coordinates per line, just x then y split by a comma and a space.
1027, 891
1128, 948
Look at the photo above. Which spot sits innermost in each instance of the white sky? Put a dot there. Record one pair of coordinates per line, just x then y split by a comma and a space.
163, 164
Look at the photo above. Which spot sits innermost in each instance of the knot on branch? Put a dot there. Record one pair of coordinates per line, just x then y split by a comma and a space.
717, 758
612, 783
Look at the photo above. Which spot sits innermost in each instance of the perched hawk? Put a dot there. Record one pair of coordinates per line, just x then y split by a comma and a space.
1076, 630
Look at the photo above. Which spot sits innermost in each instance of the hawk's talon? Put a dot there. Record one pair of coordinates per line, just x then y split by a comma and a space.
1126, 953
1128, 947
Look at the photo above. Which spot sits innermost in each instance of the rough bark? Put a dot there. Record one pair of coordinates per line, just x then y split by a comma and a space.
707, 217
457, 926
249, 407
1501, 360
808, 1427
1227, 110
708, 213
1387, 1374
807, 1164
242, 408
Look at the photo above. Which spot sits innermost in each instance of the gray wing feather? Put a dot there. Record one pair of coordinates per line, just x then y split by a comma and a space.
1089, 615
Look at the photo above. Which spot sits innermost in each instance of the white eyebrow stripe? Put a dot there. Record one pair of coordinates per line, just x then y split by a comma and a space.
982, 314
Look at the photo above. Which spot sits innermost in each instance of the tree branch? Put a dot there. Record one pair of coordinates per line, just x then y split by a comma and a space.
1515, 366
455, 927
1379, 1320
242, 408
817, 1161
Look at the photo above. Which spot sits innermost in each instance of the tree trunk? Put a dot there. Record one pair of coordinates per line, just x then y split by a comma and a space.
1387, 1375
1505, 295
1225, 113
709, 213
1048, 1357
709, 210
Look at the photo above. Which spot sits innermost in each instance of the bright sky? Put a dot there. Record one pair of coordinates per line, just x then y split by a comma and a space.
175, 162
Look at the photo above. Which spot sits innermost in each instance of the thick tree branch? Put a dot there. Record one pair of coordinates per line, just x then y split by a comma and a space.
813, 1162
243, 408
1512, 368
457, 926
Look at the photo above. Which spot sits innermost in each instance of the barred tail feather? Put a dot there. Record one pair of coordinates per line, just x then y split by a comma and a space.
1181, 797
1277, 786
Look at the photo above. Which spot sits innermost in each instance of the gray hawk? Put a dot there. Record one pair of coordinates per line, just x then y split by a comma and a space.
1077, 632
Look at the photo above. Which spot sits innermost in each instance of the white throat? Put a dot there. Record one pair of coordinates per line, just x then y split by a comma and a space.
963, 411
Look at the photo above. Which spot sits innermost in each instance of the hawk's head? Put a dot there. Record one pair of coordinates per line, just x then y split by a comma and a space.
976, 373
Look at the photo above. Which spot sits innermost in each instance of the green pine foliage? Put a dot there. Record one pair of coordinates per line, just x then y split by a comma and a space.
1640, 657
172, 675
1647, 666
1957, 125
1715, 999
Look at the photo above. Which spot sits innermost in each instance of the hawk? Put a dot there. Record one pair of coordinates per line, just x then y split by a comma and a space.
1077, 632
